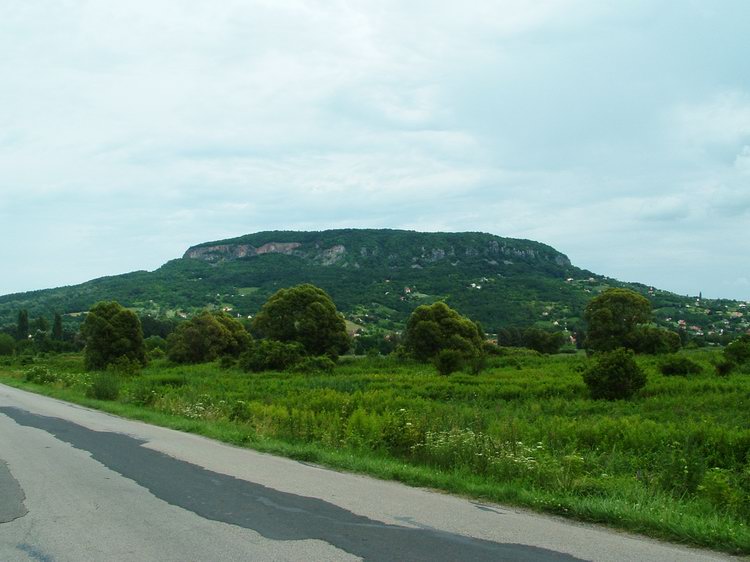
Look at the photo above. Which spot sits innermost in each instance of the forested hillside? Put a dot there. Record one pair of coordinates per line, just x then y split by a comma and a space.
376, 277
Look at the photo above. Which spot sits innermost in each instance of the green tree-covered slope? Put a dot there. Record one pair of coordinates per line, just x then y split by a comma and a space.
376, 277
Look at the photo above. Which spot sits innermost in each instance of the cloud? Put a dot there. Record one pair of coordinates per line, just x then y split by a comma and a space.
742, 162
134, 129
723, 119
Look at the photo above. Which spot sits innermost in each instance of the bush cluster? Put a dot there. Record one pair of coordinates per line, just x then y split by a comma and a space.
321, 364
652, 341
205, 337
679, 365
271, 355
40, 375
538, 339
614, 375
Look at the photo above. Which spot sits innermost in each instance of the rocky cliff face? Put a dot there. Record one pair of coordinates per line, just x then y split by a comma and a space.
235, 251
332, 248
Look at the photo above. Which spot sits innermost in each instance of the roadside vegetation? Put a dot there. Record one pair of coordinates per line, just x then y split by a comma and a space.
657, 443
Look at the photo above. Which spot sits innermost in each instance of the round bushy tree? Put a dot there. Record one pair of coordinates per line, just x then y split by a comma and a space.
113, 335
433, 328
304, 314
207, 336
613, 317
614, 375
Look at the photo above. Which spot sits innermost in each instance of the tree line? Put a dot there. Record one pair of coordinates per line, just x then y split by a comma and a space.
299, 328
36, 336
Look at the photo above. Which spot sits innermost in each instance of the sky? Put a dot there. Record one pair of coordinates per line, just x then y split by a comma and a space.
616, 132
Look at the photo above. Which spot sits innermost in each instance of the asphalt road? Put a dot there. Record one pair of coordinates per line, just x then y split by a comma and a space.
76, 484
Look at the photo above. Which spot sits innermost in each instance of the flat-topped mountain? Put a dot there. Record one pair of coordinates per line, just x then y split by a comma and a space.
390, 248
376, 278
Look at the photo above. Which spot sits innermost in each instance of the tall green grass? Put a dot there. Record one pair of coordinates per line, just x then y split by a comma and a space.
674, 462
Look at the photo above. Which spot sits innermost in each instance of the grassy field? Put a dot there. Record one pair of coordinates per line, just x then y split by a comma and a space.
673, 463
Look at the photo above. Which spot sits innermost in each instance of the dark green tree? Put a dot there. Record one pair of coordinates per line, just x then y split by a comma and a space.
543, 341
206, 337
307, 315
57, 329
7, 344
653, 340
613, 317
22, 327
40, 324
433, 328
157, 326
113, 335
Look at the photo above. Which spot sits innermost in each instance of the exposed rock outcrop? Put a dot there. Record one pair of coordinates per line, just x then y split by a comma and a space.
332, 252
236, 251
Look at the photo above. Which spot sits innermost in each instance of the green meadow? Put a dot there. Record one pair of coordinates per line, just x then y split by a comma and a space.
673, 462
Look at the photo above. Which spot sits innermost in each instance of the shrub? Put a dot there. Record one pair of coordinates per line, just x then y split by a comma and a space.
682, 468
170, 380
268, 355
26, 360
239, 412
227, 362
157, 353
492, 349
363, 430
717, 487
739, 350
679, 365
105, 386
449, 361
614, 375
156, 347
321, 364
143, 394
124, 366
724, 367
40, 375
477, 363
155, 342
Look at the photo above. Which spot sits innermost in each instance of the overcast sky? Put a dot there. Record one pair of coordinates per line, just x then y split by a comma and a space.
617, 132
